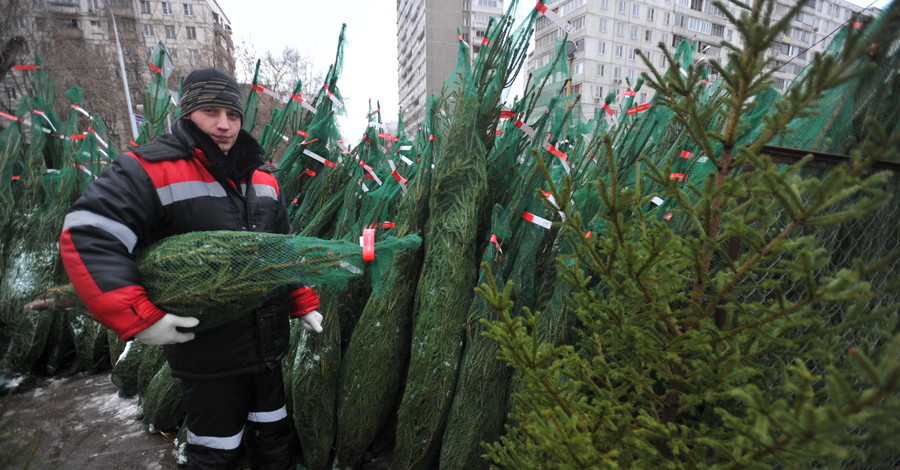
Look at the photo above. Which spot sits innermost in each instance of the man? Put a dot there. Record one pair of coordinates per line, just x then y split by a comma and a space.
208, 174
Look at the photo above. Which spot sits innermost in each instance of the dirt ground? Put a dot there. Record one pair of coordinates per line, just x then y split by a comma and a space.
87, 425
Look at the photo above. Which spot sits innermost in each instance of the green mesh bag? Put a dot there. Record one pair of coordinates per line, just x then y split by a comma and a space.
162, 401
219, 275
126, 369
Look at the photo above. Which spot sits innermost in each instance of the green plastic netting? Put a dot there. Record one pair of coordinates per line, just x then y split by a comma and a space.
216, 276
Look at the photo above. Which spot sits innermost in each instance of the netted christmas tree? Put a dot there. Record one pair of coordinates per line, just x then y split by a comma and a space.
707, 298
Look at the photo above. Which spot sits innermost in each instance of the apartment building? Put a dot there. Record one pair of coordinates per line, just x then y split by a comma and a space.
77, 42
427, 45
608, 34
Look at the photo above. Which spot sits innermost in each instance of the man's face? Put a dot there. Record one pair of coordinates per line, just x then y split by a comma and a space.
222, 124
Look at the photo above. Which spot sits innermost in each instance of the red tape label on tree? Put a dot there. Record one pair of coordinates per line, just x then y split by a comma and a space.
367, 241
638, 109
537, 220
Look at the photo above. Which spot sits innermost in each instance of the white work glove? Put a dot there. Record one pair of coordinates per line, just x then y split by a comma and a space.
164, 332
312, 321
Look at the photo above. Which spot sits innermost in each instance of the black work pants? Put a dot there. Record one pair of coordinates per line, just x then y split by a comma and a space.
229, 416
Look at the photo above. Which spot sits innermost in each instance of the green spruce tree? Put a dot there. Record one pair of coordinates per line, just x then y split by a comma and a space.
750, 320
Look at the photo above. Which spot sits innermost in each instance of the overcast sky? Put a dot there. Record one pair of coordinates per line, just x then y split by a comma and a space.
370, 51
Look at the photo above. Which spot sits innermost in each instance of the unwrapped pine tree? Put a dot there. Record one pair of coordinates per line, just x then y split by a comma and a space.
735, 328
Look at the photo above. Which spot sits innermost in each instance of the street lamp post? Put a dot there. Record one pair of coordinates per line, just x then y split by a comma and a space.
134, 129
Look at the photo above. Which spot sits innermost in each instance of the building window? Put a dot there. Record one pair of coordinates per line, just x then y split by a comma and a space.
191, 32
11, 94
620, 29
195, 55
93, 4
617, 73
578, 23
600, 69
571, 6
578, 69
166, 8
635, 10
70, 23
650, 13
604, 4
148, 30
95, 27
579, 44
718, 30
666, 18
188, 9
601, 48
145, 7
488, 3
620, 50
634, 32
602, 25
170, 31
648, 35
623, 6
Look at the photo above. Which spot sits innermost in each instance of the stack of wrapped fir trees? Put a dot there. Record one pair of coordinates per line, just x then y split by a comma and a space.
705, 280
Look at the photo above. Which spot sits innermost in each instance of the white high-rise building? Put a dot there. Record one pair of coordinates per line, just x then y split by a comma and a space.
608, 34
427, 45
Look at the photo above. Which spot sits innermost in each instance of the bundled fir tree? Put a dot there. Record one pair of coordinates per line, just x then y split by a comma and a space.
741, 327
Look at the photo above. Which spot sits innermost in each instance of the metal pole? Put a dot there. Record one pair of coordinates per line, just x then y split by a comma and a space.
134, 129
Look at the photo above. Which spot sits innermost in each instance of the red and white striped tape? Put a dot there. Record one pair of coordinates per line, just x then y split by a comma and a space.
397, 176
80, 110
299, 98
537, 220
318, 158
638, 109
332, 97
562, 157
370, 173
497, 244
525, 128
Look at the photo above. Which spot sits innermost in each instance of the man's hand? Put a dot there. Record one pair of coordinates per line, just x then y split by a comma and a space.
164, 332
312, 321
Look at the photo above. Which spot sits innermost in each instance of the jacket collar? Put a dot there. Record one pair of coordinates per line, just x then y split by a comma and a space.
183, 142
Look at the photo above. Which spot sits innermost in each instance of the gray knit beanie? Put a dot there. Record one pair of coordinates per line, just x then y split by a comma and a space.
210, 87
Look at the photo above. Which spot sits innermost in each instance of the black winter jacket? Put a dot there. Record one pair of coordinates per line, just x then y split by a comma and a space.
168, 187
